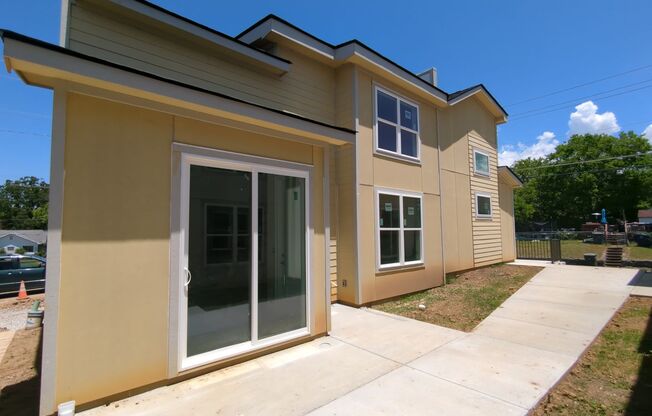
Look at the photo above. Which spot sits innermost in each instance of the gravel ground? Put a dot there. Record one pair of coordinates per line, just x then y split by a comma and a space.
13, 312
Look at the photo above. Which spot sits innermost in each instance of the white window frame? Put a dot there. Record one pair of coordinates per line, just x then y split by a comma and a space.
477, 212
188, 155
401, 229
475, 165
397, 125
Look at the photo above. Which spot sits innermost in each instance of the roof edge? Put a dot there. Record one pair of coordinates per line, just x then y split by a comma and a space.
511, 173
414, 78
462, 95
8, 34
125, 4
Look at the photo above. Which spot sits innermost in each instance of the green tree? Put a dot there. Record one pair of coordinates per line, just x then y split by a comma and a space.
564, 188
23, 204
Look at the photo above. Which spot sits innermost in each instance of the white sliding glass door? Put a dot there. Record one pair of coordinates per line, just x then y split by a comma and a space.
243, 277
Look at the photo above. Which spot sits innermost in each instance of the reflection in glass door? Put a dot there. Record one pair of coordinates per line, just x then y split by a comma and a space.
245, 275
219, 294
282, 246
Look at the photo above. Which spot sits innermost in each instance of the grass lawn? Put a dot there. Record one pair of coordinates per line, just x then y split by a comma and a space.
575, 249
466, 299
614, 377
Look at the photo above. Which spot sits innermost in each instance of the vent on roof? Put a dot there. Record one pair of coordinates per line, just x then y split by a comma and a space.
429, 75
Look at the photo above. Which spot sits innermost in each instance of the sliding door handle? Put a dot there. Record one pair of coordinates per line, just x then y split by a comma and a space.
188, 277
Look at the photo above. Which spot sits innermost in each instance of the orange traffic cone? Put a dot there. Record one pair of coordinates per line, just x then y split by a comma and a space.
22, 293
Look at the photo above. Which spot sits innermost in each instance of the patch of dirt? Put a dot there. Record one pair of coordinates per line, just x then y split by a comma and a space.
19, 374
466, 299
614, 377
13, 311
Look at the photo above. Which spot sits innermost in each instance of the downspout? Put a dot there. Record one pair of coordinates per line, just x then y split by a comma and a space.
441, 198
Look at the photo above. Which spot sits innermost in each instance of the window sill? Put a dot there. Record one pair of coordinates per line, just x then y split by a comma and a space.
482, 174
400, 267
483, 218
397, 156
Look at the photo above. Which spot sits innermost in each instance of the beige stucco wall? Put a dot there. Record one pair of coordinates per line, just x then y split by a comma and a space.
469, 242
507, 227
378, 171
114, 294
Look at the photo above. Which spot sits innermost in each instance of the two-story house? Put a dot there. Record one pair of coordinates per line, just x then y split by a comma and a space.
211, 195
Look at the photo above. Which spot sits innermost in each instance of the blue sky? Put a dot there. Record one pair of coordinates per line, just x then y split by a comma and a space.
519, 49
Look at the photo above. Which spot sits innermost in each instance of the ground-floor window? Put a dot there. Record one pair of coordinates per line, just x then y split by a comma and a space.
400, 229
483, 205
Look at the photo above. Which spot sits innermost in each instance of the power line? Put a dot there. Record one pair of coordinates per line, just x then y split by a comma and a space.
25, 113
594, 96
589, 161
632, 167
567, 106
580, 85
24, 132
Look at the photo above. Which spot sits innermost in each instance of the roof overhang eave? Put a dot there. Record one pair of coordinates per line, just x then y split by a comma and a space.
48, 62
487, 100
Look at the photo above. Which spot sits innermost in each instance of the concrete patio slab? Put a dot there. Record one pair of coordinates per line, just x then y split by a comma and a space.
571, 296
407, 391
642, 284
569, 317
511, 372
394, 337
375, 363
583, 277
290, 382
533, 335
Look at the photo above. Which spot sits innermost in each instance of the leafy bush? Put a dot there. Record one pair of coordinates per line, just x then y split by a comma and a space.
2, 251
20, 250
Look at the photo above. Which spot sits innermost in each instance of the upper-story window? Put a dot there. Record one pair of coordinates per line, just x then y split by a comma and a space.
480, 162
397, 125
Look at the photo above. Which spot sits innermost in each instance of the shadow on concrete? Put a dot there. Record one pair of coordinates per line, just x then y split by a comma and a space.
640, 402
20, 374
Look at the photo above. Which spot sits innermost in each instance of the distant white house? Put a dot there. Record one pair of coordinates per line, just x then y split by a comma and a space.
28, 240
645, 216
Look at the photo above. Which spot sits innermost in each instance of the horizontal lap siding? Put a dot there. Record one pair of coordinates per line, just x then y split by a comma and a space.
333, 269
487, 236
308, 89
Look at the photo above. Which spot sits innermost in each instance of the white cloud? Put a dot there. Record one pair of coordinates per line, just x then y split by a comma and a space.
545, 144
585, 119
648, 133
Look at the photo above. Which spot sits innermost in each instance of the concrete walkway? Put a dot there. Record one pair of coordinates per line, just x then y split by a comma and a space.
374, 363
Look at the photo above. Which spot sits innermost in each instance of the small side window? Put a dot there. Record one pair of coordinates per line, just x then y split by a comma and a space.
483, 205
481, 162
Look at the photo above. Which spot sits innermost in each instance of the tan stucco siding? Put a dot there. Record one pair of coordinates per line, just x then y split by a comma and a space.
114, 295
308, 89
114, 250
469, 241
458, 231
382, 172
508, 235
346, 224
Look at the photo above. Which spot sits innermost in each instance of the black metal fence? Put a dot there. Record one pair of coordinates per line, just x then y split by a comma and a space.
549, 249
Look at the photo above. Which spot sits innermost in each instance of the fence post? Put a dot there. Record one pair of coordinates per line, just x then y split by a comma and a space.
555, 250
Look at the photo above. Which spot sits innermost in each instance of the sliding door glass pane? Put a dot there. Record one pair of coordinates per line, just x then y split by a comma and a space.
282, 247
219, 307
